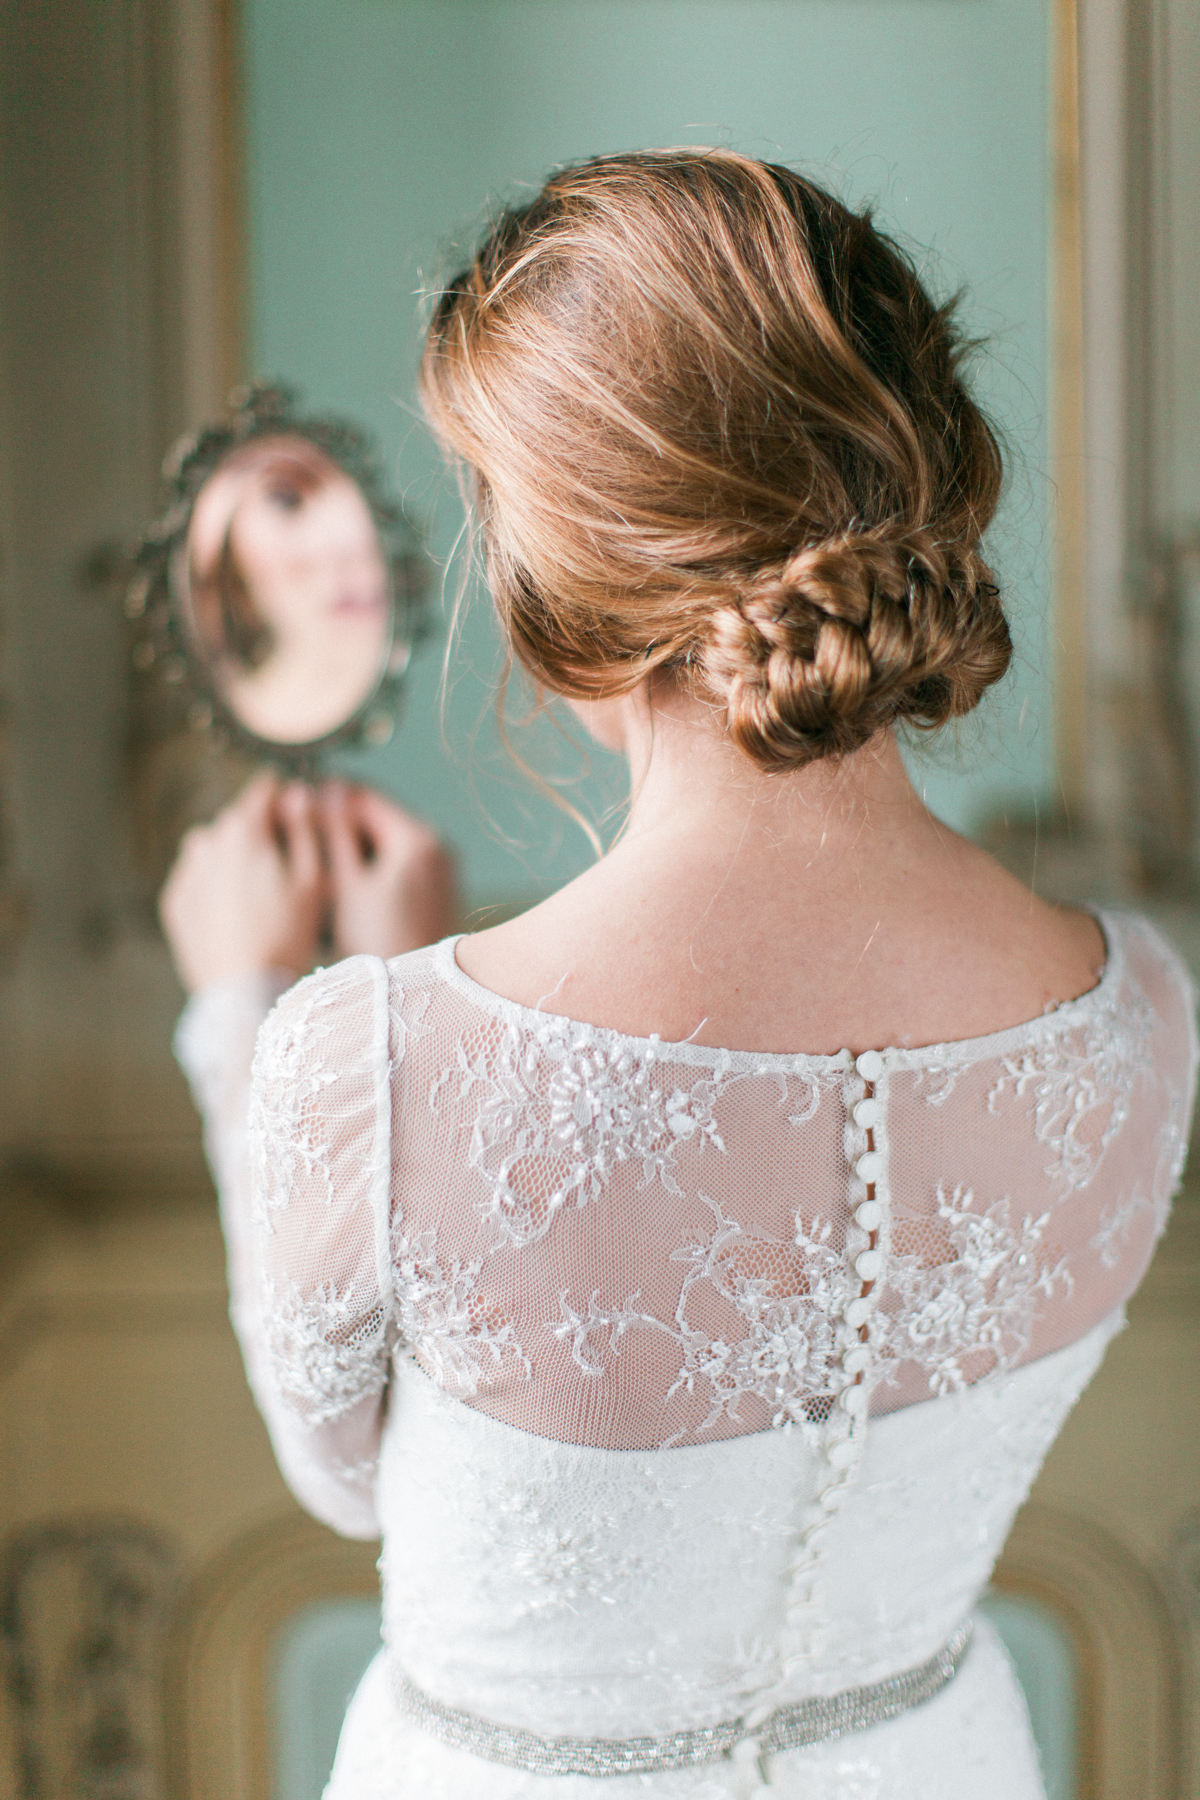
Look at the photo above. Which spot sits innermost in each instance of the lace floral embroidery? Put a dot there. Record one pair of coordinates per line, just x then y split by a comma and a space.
443, 1317
1082, 1081
1115, 1225
297, 1094
567, 1556
542, 1140
586, 1331
974, 1306
1171, 1147
289, 1145
937, 1081
790, 1298
1116, 1221
326, 1357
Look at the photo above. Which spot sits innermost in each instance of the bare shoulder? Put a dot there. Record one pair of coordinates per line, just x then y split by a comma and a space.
524, 957
1075, 948
1061, 947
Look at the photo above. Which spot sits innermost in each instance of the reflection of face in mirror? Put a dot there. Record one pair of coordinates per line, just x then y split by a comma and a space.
288, 590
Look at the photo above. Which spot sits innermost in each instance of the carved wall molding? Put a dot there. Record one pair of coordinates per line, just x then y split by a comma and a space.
115, 209
218, 1687
14, 901
84, 1618
1139, 129
1128, 1644
176, 776
1183, 1574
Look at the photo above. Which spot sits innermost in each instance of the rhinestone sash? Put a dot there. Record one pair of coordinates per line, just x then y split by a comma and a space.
788, 1728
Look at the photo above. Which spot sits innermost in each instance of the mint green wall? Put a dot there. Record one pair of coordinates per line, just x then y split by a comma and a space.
378, 130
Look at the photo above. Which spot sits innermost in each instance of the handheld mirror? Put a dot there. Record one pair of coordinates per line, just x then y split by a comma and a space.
282, 584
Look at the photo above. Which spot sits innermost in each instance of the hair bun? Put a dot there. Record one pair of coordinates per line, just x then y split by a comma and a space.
849, 635
667, 371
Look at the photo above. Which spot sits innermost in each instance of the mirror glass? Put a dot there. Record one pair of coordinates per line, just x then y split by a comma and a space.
285, 591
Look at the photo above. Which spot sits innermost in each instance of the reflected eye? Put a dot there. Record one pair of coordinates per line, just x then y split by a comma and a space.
287, 499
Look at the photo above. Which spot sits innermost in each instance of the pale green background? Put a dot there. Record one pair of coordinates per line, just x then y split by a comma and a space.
379, 130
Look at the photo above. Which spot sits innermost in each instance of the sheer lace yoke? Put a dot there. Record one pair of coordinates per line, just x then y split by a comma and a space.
630, 1244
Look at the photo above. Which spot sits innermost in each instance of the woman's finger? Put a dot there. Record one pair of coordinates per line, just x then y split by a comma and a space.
342, 839
252, 818
259, 799
297, 816
386, 824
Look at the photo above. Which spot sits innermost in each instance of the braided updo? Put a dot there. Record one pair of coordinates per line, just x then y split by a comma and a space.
717, 427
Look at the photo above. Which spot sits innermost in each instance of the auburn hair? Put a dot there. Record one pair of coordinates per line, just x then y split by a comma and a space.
716, 426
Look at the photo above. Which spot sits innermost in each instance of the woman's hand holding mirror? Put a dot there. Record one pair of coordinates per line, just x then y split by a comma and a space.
285, 868
250, 891
394, 882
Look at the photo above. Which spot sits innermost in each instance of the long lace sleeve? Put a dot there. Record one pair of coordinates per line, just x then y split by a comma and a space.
292, 1152
214, 1045
319, 1162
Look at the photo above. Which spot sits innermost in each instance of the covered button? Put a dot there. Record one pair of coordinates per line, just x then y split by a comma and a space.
843, 1454
869, 1215
866, 1113
858, 1311
869, 1166
869, 1065
868, 1264
853, 1400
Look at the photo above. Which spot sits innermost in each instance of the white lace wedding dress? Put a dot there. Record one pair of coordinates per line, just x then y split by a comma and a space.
692, 1391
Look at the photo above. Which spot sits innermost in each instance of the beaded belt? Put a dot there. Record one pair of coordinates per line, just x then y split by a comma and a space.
788, 1728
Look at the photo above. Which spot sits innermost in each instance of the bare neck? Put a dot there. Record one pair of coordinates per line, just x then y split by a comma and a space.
812, 910
686, 777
